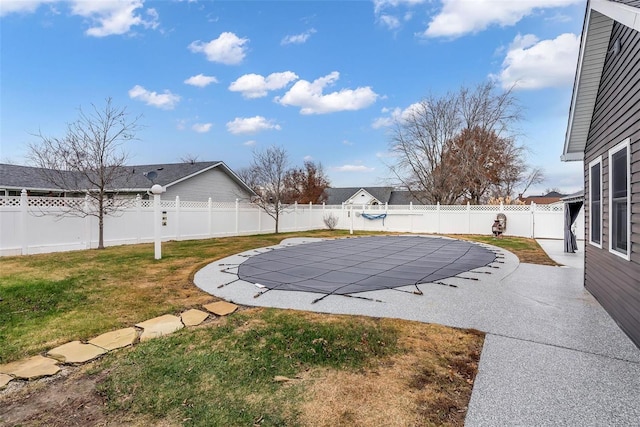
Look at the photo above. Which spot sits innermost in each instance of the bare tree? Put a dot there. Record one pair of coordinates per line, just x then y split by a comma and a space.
418, 140
459, 146
266, 176
535, 176
189, 158
306, 184
89, 160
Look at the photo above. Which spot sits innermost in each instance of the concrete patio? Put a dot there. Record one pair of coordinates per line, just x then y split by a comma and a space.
552, 355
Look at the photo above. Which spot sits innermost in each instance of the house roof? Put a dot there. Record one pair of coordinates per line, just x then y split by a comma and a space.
545, 199
594, 45
403, 197
19, 177
337, 196
168, 174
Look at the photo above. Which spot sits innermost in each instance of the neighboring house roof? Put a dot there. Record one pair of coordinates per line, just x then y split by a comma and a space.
545, 199
19, 177
337, 196
168, 174
403, 197
594, 45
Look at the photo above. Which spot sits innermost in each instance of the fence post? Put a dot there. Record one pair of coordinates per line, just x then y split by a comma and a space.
310, 215
533, 220
210, 208
259, 219
468, 218
295, 216
438, 214
237, 216
351, 217
23, 221
157, 222
410, 217
87, 222
138, 217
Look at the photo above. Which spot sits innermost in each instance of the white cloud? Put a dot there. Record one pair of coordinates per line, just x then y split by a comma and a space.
201, 80
202, 127
107, 17
249, 143
460, 17
298, 38
380, 5
165, 101
389, 21
257, 86
307, 158
382, 122
386, 155
347, 142
111, 17
395, 115
21, 6
309, 97
227, 49
250, 125
534, 64
353, 168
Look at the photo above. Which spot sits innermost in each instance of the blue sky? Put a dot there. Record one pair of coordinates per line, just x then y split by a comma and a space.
218, 79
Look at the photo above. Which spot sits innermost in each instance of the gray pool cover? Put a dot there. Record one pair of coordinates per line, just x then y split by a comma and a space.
347, 266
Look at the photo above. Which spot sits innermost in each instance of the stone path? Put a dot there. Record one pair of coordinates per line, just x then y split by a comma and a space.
76, 352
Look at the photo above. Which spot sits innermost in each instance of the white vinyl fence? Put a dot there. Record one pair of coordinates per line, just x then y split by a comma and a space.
30, 225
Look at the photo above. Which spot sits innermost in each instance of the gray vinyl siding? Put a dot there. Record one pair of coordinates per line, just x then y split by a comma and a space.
214, 183
614, 281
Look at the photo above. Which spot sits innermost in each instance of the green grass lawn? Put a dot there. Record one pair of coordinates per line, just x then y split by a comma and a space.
224, 375
50, 299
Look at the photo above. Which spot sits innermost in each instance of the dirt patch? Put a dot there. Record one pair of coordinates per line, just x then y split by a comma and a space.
68, 399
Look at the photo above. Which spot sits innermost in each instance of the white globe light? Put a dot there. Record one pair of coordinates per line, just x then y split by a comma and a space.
157, 189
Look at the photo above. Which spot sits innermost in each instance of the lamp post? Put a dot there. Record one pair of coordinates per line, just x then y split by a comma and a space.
157, 190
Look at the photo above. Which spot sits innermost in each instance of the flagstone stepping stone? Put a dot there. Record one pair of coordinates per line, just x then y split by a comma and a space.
31, 368
193, 317
159, 326
115, 339
76, 352
221, 308
4, 380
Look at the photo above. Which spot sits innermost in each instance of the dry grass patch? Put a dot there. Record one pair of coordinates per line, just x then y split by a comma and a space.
527, 250
429, 383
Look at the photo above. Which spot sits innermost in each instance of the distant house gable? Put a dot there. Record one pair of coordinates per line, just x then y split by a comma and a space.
368, 196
